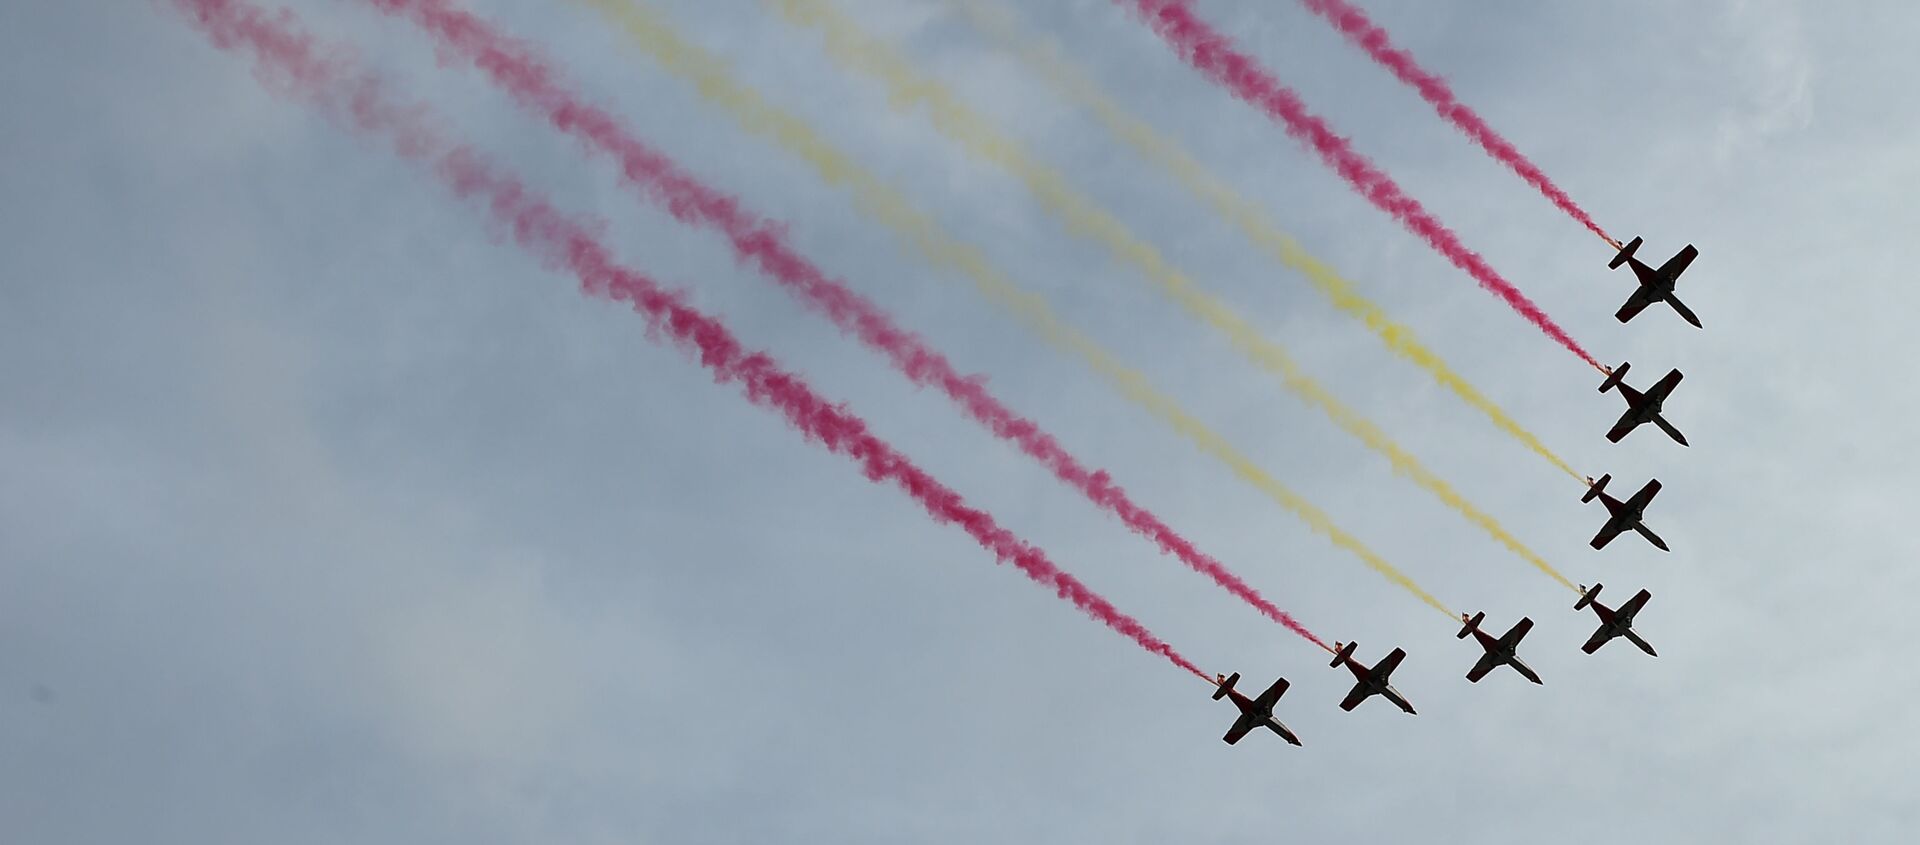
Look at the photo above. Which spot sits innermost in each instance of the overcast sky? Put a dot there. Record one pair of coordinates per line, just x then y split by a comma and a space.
326, 514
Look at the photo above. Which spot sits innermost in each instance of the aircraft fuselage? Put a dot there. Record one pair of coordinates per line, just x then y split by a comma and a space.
1274, 725
1624, 517
1504, 653
1393, 695
1487, 641
1524, 670
1615, 623
1377, 686
1254, 712
1644, 408
1656, 283
1641, 408
1263, 715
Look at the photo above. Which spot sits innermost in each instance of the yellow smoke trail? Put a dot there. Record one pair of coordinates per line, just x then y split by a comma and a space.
856, 50
994, 19
714, 82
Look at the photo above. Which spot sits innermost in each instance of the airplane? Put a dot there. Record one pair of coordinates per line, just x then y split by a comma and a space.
1254, 712
1499, 650
1370, 681
1626, 515
1614, 623
1655, 285
1641, 407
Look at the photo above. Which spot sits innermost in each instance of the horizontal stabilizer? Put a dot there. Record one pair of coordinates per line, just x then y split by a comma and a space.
1471, 624
1346, 651
1221, 690
1626, 252
1614, 376
1595, 488
1587, 598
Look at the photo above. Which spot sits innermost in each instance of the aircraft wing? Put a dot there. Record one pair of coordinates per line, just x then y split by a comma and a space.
1518, 630
1354, 698
1678, 263
1480, 669
1387, 664
1645, 496
1272, 695
1665, 386
1240, 727
1634, 604
1627, 423
1606, 535
1598, 639
1636, 303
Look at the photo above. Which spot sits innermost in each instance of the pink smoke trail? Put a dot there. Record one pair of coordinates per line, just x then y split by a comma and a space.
1214, 55
291, 63
519, 70
1370, 37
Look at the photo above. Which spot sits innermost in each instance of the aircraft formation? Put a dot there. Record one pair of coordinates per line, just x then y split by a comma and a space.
1642, 407
321, 75
1622, 516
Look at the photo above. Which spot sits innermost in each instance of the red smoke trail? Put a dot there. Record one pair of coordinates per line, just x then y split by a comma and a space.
289, 61
516, 68
1213, 54
1368, 36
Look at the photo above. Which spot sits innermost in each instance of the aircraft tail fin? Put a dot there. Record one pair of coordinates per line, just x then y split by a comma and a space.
1626, 252
1614, 376
1471, 624
1346, 651
1225, 685
1587, 598
1595, 488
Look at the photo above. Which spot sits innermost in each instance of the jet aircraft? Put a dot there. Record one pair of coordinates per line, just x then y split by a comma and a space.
1372, 681
1655, 285
1642, 407
1254, 712
1498, 650
1625, 515
1614, 623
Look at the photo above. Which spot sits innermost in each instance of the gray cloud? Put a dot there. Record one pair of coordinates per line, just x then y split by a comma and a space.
324, 516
